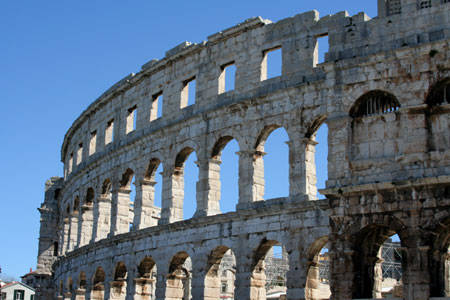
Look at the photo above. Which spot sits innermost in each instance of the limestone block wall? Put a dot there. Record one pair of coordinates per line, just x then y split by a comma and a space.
383, 93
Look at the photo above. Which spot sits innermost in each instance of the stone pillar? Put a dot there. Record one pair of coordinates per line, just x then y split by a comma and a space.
296, 277
120, 211
160, 292
339, 143
208, 188
73, 235
86, 224
130, 286
416, 278
341, 270
251, 177
103, 217
144, 203
65, 236
80, 294
250, 282
172, 196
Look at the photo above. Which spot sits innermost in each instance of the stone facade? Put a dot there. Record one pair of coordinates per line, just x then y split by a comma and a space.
384, 93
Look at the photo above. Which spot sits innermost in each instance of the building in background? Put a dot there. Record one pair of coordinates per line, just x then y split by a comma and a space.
16, 291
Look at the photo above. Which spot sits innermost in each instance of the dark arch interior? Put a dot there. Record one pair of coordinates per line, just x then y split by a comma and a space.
374, 103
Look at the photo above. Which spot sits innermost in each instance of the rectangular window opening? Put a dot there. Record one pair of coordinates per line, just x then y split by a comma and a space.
227, 78
93, 143
394, 7
322, 47
272, 63
80, 153
188, 92
19, 294
424, 4
156, 109
445, 1
69, 167
131, 119
109, 132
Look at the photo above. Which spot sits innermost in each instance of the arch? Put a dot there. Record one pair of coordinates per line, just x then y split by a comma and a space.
98, 284
76, 205
439, 93
316, 157
373, 103
271, 163
224, 173
317, 282
82, 282
70, 286
106, 187
184, 184
146, 279
440, 260
119, 283
220, 274
264, 135
90, 195
178, 284
220, 145
126, 178
269, 270
151, 169
182, 157
367, 260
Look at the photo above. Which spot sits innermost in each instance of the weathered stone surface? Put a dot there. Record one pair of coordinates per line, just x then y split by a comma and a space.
383, 92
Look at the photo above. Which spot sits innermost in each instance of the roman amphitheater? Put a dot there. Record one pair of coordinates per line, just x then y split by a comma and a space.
383, 91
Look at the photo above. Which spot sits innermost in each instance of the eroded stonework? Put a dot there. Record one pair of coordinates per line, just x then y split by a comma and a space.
384, 93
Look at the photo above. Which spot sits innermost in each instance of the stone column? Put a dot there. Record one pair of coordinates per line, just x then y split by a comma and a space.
296, 276
172, 196
80, 294
161, 284
86, 224
144, 203
341, 270
103, 217
208, 188
416, 277
73, 238
120, 211
65, 235
251, 177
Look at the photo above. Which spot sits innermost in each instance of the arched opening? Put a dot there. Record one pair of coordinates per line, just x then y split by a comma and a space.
70, 291
98, 284
87, 217
439, 93
317, 282
316, 159
102, 212
438, 122
375, 127
81, 291
378, 263
272, 161
178, 285
185, 180
270, 267
224, 179
146, 280
119, 284
151, 195
221, 273
125, 202
440, 262
374, 103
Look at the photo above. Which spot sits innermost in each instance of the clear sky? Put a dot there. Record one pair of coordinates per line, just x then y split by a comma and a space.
56, 57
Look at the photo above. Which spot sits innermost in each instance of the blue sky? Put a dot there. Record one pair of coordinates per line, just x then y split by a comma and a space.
56, 57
